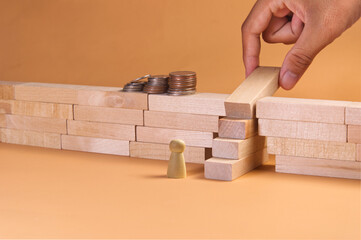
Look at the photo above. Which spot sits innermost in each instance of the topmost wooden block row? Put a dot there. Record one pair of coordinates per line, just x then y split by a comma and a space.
200, 103
309, 110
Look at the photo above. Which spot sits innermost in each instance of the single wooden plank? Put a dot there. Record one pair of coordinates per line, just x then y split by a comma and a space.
30, 138
183, 121
199, 103
162, 152
353, 113
109, 115
311, 148
228, 170
302, 130
6, 106
354, 133
7, 89
242, 102
237, 128
82, 95
235, 148
318, 167
39, 124
298, 109
95, 145
358, 153
164, 135
101, 130
39, 109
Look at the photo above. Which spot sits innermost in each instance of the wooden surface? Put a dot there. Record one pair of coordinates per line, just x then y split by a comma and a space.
7, 89
228, 170
354, 133
318, 167
95, 145
358, 154
235, 148
311, 148
161, 152
237, 128
261, 83
6, 106
163, 135
199, 103
184, 121
353, 113
302, 130
38, 109
299, 109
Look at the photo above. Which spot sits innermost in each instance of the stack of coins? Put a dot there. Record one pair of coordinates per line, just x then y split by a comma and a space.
134, 87
157, 84
182, 83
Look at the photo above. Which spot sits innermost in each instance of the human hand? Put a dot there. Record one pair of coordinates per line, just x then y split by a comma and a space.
310, 24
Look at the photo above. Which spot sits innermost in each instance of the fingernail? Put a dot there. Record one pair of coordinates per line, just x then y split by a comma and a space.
289, 80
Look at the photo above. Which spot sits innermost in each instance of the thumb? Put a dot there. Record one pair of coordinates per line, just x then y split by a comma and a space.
300, 57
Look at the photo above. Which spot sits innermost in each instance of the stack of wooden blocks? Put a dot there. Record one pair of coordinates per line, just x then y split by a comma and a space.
312, 137
239, 149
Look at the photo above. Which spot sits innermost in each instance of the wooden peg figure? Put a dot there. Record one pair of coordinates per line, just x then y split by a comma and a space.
177, 165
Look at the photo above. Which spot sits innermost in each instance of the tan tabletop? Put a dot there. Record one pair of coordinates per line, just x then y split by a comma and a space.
61, 194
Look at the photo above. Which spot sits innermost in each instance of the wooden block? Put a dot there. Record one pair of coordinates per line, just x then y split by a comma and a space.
235, 148
311, 148
199, 103
39, 109
162, 152
7, 89
353, 113
6, 106
354, 133
164, 135
358, 153
39, 124
303, 130
95, 145
237, 128
109, 115
183, 121
242, 102
82, 95
318, 167
228, 170
30, 138
101, 130
298, 109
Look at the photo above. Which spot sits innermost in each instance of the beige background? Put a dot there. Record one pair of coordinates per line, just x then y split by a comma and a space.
61, 194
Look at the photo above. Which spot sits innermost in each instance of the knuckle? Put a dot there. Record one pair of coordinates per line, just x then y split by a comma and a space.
300, 59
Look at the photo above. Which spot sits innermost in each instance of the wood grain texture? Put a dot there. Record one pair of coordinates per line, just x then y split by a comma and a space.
30, 138
303, 130
237, 128
7, 89
228, 170
353, 113
95, 145
163, 135
81, 95
39, 109
161, 152
183, 121
311, 148
235, 148
199, 103
6, 106
242, 102
298, 109
358, 153
38, 124
101, 130
318, 167
108, 115
354, 133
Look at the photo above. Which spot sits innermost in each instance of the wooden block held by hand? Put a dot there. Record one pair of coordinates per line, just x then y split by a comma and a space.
354, 133
235, 148
228, 170
303, 130
237, 128
353, 113
242, 102
318, 167
311, 148
95, 145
